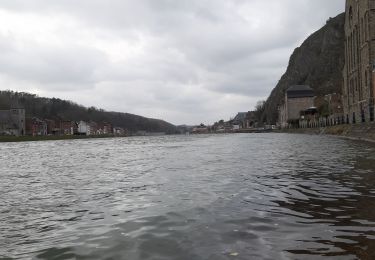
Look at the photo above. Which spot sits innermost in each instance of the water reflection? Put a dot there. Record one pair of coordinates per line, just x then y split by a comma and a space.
198, 197
347, 214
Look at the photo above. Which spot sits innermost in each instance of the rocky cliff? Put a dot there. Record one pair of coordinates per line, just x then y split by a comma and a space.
318, 62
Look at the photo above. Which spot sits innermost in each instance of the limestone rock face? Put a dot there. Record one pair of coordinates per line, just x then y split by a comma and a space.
318, 62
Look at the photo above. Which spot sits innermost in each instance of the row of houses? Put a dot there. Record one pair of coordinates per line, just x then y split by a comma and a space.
241, 122
14, 122
37, 127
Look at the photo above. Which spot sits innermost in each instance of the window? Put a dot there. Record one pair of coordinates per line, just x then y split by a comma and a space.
366, 27
362, 32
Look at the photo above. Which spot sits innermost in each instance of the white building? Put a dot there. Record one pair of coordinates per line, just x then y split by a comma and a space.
83, 128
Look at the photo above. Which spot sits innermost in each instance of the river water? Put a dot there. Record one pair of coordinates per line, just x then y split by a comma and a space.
240, 196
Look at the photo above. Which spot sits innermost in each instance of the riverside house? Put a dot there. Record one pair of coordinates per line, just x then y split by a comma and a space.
12, 122
105, 128
83, 128
239, 121
68, 127
36, 127
298, 98
244, 120
119, 131
51, 127
93, 128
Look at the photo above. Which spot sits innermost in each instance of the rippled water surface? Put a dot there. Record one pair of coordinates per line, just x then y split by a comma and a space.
250, 196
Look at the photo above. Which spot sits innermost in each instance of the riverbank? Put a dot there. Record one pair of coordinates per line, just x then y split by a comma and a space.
363, 132
49, 138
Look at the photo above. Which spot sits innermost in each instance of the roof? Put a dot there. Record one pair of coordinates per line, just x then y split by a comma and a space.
299, 91
240, 116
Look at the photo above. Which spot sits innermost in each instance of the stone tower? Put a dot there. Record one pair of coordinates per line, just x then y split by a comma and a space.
359, 88
18, 118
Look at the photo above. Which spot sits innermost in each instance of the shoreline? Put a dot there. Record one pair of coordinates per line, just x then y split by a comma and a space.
364, 132
15, 139
358, 132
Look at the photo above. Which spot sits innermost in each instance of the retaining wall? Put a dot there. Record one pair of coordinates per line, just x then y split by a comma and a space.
365, 131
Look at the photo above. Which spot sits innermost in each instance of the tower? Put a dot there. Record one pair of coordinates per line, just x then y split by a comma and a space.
18, 118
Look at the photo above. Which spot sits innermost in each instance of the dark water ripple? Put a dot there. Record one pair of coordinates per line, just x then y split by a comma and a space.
258, 196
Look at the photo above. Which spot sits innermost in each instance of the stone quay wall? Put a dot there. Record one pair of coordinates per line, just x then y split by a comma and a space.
363, 132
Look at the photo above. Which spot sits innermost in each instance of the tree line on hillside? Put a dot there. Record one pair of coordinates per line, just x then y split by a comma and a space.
54, 108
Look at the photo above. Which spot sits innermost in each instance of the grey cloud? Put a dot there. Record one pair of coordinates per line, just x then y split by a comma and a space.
199, 58
50, 65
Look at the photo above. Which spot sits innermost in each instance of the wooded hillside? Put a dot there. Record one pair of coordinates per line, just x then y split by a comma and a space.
54, 108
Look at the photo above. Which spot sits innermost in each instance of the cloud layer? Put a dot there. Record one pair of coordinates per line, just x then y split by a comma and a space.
186, 61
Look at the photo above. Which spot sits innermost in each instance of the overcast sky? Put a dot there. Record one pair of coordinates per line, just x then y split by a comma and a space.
184, 61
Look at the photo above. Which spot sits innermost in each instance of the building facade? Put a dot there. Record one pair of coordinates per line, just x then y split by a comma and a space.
297, 99
12, 122
335, 108
36, 127
359, 70
83, 128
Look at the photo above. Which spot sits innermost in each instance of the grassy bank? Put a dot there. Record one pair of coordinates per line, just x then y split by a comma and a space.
49, 138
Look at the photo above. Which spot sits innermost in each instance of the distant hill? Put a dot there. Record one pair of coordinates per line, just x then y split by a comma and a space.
54, 108
318, 62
